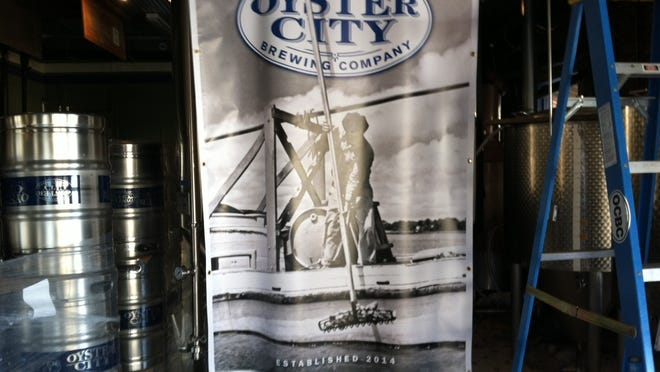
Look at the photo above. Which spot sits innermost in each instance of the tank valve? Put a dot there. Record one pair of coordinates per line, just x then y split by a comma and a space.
181, 272
196, 349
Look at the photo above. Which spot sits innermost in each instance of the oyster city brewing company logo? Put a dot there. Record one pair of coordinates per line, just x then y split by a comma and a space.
356, 37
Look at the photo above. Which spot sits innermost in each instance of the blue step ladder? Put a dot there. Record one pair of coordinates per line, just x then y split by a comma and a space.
630, 231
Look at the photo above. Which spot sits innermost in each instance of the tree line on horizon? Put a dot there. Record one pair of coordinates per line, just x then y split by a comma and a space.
426, 225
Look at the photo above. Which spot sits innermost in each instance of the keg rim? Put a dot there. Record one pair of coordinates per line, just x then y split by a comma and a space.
53, 120
131, 148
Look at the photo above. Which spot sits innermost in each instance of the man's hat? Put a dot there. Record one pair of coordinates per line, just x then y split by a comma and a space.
355, 123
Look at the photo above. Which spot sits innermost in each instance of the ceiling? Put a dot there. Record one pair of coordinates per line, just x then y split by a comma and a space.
59, 25
58, 30
501, 44
146, 26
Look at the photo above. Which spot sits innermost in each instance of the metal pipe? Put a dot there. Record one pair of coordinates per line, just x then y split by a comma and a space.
528, 58
593, 332
4, 80
194, 216
549, 19
25, 65
189, 119
516, 298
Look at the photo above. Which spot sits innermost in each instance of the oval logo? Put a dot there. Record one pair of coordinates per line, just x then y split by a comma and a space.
356, 37
620, 216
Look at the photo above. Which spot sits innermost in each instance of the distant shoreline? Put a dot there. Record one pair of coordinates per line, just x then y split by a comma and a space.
425, 225
397, 232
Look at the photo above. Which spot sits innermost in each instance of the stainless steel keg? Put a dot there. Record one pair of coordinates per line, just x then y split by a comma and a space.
140, 279
83, 318
137, 198
57, 226
142, 312
55, 183
139, 230
52, 352
143, 334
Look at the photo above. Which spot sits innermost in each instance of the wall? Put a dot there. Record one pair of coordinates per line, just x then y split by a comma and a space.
138, 103
133, 110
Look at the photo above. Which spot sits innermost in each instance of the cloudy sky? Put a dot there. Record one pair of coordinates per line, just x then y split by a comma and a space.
421, 144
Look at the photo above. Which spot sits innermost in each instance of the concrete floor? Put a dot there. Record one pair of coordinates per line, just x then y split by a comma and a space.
547, 350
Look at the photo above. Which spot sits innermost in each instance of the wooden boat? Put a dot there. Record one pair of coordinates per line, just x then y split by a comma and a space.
428, 298
261, 277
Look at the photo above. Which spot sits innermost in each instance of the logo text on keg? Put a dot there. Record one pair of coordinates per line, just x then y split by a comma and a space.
55, 190
356, 37
40, 190
620, 216
143, 317
92, 359
142, 197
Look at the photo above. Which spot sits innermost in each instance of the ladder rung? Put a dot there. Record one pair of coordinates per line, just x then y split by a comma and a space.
651, 273
577, 255
591, 101
637, 167
582, 101
638, 69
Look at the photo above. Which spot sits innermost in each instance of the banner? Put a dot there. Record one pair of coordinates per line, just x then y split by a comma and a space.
336, 145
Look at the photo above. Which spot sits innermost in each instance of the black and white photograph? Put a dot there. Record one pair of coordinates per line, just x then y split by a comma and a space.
336, 150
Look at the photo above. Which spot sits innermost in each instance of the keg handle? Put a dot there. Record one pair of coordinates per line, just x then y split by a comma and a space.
131, 269
146, 247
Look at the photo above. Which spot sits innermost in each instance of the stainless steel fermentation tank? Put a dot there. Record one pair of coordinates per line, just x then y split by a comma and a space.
580, 217
56, 216
139, 230
580, 211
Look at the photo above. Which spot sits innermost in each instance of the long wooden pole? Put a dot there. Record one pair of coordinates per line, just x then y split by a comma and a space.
335, 166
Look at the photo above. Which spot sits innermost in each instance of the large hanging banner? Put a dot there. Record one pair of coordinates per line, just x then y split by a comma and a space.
336, 144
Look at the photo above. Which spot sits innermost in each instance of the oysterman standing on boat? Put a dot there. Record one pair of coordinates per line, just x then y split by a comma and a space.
355, 157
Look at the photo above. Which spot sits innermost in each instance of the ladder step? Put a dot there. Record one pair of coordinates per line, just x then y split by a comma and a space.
637, 167
651, 273
628, 70
576, 103
591, 101
638, 69
581, 101
577, 255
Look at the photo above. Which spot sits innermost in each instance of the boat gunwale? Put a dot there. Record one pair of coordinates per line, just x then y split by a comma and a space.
364, 294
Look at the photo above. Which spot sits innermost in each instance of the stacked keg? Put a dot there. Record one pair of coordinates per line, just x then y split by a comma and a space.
57, 222
139, 231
